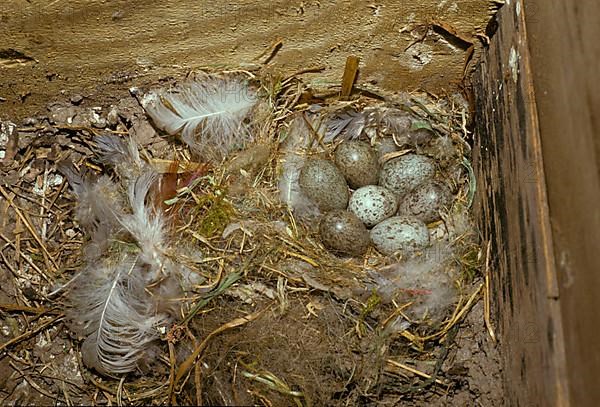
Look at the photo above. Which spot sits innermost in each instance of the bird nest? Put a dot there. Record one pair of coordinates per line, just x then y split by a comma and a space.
267, 314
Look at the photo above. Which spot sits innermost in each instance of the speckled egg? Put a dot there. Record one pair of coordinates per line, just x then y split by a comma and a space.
358, 162
373, 204
343, 233
403, 174
324, 184
426, 201
400, 233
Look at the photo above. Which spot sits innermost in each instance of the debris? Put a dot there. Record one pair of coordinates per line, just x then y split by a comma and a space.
76, 99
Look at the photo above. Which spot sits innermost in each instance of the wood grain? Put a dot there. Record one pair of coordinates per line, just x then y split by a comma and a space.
514, 216
99, 49
565, 59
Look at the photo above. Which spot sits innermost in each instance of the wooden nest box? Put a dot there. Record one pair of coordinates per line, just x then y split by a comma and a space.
538, 100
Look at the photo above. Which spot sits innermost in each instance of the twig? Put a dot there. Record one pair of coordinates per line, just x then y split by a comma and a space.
23, 308
225, 284
23, 218
438, 365
349, 77
270, 52
414, 371
486, 294
32, 332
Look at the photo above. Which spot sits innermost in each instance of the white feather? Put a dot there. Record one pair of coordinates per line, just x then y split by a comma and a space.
112, 309
145, 225
98, 209
301, 132
290, 192
126, 290
121, 153
209, 114
425, 279
298, 137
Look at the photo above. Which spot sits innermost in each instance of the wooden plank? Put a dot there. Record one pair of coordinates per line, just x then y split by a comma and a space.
100, 48
514, 216
565, 59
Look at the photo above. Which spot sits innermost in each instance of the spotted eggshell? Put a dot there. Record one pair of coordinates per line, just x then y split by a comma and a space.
372, 204
358, 162
426, 201
324, 184
403, 174
400, 234
342, 232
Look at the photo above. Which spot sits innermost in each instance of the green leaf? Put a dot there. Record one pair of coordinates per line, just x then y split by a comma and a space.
417, 125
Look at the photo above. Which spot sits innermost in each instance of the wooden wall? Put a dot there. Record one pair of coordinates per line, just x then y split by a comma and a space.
53, 48
565, 60
538, 102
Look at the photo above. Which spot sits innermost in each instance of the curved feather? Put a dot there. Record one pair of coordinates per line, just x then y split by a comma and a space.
127, 289
114, 313
145, 225
347, 124
210, 114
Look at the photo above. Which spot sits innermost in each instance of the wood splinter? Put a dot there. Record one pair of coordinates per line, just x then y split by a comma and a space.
350, 73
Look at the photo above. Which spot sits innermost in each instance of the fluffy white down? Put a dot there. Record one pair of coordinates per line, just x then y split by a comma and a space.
426, 279
209, 114
125, 291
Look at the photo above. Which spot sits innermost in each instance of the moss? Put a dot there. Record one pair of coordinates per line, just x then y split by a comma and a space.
213, 213
372, 303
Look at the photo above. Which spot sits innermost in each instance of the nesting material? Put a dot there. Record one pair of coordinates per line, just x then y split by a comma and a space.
211, 114
425, 278
283, 228
418, 161
128, 289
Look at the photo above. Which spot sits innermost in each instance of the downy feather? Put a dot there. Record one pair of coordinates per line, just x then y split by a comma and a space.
290, 191
347, 124
209, 114
121, 153
298, 137
126, 290
145, 225
395, 122
426, 279
112, 308
99, 207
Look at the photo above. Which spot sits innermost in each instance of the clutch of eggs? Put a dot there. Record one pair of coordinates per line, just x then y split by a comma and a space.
396, 200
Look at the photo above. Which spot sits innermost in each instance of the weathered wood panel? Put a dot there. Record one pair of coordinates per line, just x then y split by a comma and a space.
514, 218
565, 59
99, 48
